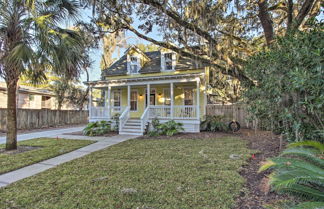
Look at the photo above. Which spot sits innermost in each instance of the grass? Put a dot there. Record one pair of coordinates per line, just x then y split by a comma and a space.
49, 148
165, 174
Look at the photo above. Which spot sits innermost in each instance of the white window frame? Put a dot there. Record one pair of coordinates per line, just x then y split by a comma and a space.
134, 90
167, 60
149, 96
164, 97
163, 61
193, 96
120, 101
133, 63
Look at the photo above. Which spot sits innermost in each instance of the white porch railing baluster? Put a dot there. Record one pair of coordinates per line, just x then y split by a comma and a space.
185, 112
124, 117
144, 118
179, 111
99, 113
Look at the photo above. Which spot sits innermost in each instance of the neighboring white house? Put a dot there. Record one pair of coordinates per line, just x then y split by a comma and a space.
32, 98
159, 84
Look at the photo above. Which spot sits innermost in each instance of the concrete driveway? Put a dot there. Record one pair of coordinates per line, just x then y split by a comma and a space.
48, 133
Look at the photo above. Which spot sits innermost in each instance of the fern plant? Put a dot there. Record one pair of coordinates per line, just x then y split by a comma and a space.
170, 128
97, 128
213, 123
299, 170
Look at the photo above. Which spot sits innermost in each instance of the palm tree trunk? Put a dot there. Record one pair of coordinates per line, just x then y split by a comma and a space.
11, 143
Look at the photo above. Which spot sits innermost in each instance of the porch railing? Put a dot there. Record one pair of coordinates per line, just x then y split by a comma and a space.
185, 112
145, 118
124, 117
179, 112
160, 111
99, 112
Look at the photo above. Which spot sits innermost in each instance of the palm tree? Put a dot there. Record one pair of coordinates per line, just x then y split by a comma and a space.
32, 43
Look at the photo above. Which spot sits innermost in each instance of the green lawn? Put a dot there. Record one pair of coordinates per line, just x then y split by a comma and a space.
165, 174
48, 148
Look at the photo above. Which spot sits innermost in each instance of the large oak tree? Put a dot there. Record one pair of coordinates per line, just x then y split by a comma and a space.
221, 33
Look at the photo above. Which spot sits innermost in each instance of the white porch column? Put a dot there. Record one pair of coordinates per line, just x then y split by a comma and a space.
90, 101
198, 100
148, 95
109, 102
128, 95
172, 100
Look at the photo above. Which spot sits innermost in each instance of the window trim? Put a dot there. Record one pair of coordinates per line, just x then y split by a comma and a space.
134, 90
165, 62
145, 93
166, 89
193, 95
131, 64
120, 100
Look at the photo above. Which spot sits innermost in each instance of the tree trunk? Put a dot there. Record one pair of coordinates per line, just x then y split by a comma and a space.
11, 143
266, 21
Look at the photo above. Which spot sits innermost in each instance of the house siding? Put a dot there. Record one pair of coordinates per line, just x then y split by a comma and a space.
159, 97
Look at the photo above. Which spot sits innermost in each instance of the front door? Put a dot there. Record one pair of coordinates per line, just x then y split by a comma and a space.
152, 99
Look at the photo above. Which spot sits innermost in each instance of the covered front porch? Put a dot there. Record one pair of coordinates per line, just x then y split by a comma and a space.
140, 100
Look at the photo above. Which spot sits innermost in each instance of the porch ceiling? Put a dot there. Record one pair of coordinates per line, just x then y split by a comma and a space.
145, 80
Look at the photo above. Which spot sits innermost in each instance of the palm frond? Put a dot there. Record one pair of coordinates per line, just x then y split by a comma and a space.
305, 153
314, 144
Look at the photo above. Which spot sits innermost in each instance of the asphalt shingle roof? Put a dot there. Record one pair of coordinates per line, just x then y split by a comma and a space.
153, 66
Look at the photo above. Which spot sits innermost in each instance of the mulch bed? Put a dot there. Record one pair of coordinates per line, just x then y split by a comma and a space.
256, 192
20, 149
80, 133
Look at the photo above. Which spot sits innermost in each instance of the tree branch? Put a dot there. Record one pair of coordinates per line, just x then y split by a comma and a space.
303, 12
266, 21
232, 72
193, 27
290, 14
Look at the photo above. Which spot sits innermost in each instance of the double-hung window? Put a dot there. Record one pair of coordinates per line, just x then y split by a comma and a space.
133, 101
188, 96
117, 101
168, 61
133, 65
167, 97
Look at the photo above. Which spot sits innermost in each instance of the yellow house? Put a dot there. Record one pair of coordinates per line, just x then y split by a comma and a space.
159, 84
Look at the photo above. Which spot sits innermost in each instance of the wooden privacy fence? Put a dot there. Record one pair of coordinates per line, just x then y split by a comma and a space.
231, 112
44, 118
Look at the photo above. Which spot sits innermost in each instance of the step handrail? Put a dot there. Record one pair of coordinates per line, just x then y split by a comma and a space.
124, 117
144, 118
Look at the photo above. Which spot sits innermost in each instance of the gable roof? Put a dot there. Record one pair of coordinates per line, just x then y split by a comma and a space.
152, 66
28, 90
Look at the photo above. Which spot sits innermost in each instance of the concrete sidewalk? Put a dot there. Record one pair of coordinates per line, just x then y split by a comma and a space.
13, 176
49, 133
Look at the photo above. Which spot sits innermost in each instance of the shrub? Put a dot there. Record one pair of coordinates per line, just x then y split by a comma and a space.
299, 171
97, 128
169, 128
213, 123
116, 121
288, 92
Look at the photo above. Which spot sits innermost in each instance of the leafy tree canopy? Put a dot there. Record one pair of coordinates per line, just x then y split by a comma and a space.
289, 91
221, 33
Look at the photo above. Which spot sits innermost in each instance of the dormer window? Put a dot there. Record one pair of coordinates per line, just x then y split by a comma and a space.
168, 61
134, 66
